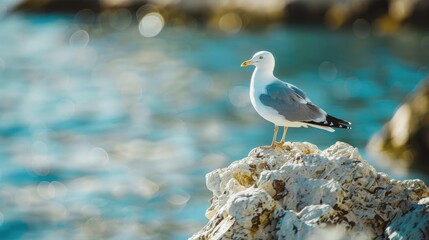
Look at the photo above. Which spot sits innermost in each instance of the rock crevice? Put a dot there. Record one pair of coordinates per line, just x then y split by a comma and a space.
299, 191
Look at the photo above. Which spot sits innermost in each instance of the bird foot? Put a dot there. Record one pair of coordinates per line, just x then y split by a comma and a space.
274, 145
277, 144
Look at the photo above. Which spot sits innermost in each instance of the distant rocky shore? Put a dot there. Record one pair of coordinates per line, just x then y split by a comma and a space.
385, 15
300, 192
403, 143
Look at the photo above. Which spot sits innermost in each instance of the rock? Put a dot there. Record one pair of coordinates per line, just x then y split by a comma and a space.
387, 15
74, 6
300, 192
403, 142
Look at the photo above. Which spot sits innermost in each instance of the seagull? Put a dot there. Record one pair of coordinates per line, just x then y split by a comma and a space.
283, 103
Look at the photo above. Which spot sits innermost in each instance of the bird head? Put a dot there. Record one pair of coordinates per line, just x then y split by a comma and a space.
262, 59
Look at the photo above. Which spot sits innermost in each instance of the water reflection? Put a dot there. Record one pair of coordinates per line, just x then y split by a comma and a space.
230, 23
151, 24
361, 28
109, 134
80, 38
327, 71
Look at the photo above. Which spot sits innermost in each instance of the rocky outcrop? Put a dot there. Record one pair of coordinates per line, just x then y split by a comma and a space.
404, 141
387, 15
300, 192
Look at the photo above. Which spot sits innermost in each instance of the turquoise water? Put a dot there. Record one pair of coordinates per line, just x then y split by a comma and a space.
108, 134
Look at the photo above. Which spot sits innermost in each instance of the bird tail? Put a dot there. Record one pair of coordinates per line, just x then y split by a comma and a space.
332, 122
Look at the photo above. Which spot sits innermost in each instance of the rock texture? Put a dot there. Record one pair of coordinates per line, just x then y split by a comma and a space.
404, 140
300, 192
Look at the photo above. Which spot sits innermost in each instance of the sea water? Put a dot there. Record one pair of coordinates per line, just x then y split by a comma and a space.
107, 133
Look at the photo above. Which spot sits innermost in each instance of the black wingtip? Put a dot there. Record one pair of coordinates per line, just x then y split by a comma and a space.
334, 123
344, 126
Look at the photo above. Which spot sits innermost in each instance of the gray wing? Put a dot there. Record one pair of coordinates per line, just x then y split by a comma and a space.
291, 102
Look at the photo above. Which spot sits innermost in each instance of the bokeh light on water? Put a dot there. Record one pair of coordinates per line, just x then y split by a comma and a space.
110, 121
80, 38
151, 24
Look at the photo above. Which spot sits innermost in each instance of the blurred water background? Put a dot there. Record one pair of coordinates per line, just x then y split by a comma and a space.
108, 127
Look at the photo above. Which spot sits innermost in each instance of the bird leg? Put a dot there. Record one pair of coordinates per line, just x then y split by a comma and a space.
284, 135
274, 142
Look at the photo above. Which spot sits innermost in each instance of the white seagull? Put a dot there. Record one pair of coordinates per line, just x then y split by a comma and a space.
283, 103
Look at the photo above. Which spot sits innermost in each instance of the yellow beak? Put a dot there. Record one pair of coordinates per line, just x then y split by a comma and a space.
246, 63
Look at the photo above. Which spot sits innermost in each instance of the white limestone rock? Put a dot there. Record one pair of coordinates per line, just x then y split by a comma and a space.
300, 192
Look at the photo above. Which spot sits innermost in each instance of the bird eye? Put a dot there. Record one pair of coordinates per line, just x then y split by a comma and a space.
261, 57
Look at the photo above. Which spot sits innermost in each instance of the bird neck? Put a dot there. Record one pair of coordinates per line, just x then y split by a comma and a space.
263, 73
260, 78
